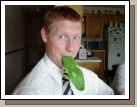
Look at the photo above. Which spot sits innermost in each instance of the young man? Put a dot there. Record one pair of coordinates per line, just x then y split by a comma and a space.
61, 33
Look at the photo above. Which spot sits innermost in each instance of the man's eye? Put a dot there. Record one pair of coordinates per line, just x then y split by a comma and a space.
76, 38
61, 36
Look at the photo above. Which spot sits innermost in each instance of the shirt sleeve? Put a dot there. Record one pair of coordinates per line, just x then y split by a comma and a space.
25, 91
118, 83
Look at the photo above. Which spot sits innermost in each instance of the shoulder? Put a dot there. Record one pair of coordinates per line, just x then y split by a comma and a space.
121, 68
25, 91
33, 81
122, 65
94, 84
88, 73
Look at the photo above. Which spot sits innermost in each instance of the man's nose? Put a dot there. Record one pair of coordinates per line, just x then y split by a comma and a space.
70, 46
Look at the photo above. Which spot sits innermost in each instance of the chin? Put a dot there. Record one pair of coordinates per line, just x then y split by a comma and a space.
74, 56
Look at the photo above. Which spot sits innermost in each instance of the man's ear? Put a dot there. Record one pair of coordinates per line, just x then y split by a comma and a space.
43, 34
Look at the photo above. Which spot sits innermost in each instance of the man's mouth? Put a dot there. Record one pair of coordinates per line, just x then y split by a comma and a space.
68, 55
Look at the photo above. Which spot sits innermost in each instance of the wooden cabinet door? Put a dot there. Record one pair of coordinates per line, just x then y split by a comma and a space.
101, 55
114, 18
120, 19
95, 26
93, 66
107, 19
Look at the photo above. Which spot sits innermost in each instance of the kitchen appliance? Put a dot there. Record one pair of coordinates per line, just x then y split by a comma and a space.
95, 45
115, 45
90, 53
85, 44
82, 53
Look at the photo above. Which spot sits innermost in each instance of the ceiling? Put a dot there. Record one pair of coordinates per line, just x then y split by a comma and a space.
31, 10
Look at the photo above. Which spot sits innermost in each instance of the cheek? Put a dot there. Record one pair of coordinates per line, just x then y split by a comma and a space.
58, 46
77, 46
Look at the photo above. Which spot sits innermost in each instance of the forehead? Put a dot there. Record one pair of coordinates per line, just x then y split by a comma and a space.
67, 24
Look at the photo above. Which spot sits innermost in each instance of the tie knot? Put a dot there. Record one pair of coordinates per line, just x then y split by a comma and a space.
65, 77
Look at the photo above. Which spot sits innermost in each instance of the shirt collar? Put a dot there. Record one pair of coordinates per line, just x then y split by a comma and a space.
53, 69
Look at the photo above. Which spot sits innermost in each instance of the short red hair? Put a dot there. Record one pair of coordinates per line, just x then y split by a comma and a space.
61, 13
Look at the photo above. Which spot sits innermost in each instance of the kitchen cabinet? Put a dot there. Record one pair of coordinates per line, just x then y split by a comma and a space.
120, 19
77, 8
94, 23
114, 18
99, 66
100, 55
93, 66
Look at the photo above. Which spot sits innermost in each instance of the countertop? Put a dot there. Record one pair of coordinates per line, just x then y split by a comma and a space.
91, 59
98, 50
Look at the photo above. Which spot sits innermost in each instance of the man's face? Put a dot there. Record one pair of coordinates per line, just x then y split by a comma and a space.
63, 40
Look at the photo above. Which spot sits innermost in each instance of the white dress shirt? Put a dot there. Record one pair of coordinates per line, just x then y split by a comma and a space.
46, 79
118, 83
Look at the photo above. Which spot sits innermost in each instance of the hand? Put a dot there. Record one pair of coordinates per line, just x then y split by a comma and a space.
121, 92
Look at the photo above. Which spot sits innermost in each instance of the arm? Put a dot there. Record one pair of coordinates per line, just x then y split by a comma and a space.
25, 91
118, 83
104, 89
121, 92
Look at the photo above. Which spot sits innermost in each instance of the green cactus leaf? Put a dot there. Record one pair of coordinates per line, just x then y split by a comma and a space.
74, 72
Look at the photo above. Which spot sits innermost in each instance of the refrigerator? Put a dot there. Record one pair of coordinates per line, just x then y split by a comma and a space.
115, 46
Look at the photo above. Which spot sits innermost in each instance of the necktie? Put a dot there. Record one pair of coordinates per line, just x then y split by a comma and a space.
66, 85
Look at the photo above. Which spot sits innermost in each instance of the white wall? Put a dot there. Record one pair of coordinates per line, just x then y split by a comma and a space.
15, 38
